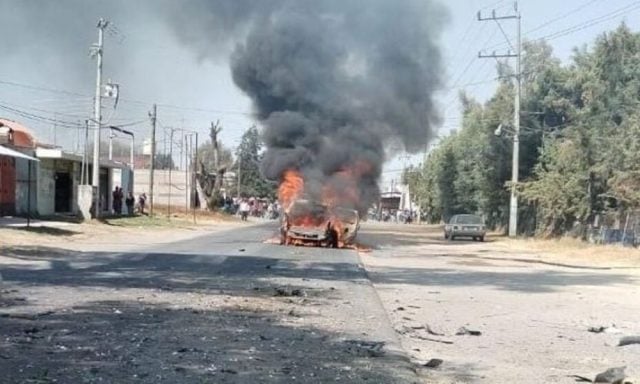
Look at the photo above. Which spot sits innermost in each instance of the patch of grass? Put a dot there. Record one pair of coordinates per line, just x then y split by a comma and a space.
575, 249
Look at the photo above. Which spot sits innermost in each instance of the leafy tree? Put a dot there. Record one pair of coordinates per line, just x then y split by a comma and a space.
248, 158
579, 142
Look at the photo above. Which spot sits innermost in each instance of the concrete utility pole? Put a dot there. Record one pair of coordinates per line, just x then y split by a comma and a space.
215, 130
170, 168
239, 181
194, 181
97, 115
513, 206
110, 144
153, 117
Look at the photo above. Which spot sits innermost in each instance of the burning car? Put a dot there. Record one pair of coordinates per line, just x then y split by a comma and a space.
306, 222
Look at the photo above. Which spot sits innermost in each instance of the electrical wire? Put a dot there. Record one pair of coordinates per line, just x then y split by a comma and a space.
624, 10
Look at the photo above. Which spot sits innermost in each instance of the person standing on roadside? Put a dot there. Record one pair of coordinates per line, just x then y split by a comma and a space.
130, 201
244, 209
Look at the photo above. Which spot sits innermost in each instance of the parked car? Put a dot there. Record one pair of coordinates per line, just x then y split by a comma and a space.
465, 226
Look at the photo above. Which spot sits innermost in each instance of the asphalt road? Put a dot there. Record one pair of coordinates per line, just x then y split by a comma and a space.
221, 308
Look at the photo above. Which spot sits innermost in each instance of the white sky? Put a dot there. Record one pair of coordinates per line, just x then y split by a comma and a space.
152, 67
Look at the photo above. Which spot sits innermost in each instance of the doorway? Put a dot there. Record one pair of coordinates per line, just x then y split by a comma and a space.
63, 192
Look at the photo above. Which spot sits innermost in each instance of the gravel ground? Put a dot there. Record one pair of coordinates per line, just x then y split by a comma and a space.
533, 310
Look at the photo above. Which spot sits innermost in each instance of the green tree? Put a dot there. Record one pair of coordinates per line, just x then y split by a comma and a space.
248, 159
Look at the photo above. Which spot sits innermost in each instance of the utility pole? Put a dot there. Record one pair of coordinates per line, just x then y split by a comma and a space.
194, 180
215, 130
97, 115
153, 117
185, 143
239, 182
110, 144
513, 206
84, 174
170, 168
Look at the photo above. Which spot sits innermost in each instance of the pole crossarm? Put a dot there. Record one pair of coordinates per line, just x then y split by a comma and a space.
496, 56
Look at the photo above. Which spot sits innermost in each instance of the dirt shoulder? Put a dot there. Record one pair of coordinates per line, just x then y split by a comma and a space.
532, 302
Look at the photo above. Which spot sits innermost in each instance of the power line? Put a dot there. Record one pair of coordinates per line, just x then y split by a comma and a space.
592, 22
42, 119
563, 16
582, 25
133, 101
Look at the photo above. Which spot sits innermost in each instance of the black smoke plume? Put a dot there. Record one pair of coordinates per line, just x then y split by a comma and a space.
334, 83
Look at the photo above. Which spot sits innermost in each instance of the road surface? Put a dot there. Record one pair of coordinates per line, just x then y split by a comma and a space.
221, 308
226, 307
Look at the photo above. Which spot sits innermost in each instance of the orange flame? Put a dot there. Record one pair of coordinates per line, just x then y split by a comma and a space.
340, 190
291, 187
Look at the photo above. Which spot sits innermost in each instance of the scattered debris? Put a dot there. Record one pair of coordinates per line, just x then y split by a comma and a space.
241, 250
434, 340
432, 332
400, 309
611, 375
366, 348
433, 363
465, 331
628, 340
230, 371
603, 329
288, 292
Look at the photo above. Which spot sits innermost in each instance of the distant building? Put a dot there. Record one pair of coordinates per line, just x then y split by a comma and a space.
14, 168
54, 178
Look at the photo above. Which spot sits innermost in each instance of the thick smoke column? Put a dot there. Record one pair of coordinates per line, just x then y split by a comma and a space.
334, 82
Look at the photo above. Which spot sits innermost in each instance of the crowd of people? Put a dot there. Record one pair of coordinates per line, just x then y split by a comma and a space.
246, 207
118, 198
394, 215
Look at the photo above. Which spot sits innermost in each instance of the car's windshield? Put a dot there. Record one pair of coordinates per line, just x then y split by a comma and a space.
467, 219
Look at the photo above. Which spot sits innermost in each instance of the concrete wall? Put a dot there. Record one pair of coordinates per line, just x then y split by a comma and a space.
175, 192
46, 187
46, 184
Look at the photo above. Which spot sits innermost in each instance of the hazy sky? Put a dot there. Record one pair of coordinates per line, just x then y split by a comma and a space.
45, 44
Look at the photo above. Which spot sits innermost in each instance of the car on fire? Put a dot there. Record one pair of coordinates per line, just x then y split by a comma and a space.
465, 226
306, 222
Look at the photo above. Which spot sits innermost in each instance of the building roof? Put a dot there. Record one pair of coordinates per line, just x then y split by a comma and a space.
57, 153
4, 151
22, 136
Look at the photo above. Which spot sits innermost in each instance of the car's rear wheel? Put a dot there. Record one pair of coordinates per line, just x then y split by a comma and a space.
451, 237
446, 236
481, 238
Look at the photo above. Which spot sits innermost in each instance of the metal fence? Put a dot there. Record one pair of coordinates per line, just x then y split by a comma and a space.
616, 228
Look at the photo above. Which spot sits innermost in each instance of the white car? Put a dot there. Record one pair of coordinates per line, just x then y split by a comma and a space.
465, 226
